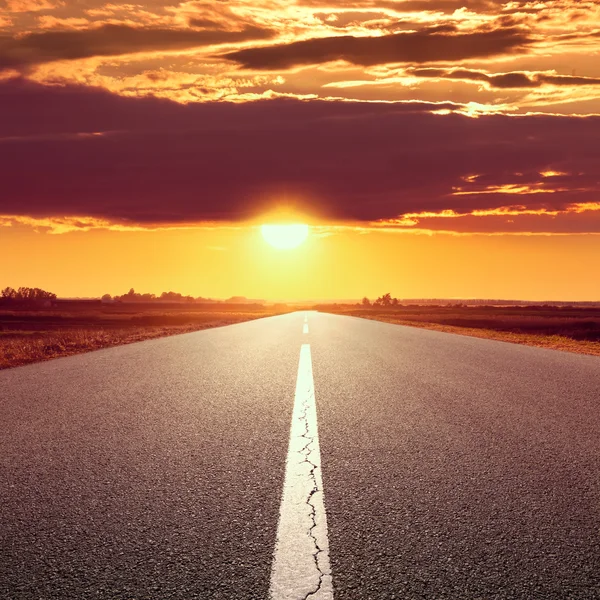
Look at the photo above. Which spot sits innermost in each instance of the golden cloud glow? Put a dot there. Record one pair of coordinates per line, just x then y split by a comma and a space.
61, 225
412, 220
290, 235
534, 75
551, 173
511, 188
21, 6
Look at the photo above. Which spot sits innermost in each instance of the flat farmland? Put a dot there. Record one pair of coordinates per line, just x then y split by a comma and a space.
28, 335
573, 329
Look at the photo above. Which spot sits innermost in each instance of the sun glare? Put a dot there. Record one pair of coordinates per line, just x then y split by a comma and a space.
285, 237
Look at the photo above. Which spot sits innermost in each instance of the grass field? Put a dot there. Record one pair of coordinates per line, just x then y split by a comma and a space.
560, 328
28, 336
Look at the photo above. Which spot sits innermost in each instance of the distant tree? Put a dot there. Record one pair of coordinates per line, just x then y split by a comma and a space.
171, 297
133, 296
366, 302
385, 300
106, 298
26, 294
175, 297
395, 302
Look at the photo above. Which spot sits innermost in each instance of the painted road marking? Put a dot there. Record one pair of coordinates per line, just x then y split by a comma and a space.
301, 567
305, 330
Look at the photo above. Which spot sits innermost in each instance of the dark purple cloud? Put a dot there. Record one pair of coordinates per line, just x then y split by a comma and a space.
39, 110
413, 47
170, 163
110, 40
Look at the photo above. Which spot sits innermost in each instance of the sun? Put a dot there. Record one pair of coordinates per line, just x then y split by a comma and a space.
285, 237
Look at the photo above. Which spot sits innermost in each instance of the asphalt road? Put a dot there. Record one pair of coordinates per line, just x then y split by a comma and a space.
453, 467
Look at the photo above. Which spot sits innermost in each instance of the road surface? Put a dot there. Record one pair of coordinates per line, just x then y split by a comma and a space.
443, 467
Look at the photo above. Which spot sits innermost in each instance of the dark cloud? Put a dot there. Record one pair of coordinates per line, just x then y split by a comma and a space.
502, 80
169, 163
511, 80
446, 6
205, 23
568, 80
413, 47
110, 40
505, 80
53, 110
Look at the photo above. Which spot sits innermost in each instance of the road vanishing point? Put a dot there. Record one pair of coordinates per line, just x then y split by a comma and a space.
306, 456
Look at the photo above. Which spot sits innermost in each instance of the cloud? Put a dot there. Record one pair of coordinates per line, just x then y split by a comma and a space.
21, 6
404, 6
204, 23
50, 22
414, 47
47, 111
505, 80
148, 162
110, 40
514, 219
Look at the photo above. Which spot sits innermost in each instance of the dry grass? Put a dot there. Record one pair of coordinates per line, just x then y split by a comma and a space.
33, 336
555, 342
28, 336
571, 330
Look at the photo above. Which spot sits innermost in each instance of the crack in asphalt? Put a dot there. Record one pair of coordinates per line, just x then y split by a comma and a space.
307, 451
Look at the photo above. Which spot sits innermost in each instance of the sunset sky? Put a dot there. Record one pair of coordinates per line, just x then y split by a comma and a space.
437, 148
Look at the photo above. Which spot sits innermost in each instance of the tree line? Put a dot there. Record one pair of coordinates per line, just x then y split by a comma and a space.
26, 294
385, 300
133, 296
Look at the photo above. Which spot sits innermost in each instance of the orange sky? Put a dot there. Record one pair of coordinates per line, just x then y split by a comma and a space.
439, 148
220, 263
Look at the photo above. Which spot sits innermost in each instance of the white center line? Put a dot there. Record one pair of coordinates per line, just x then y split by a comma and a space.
301, 569
305, 330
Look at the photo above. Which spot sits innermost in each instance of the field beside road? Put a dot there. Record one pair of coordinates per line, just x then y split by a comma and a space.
28, 335
573, 329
